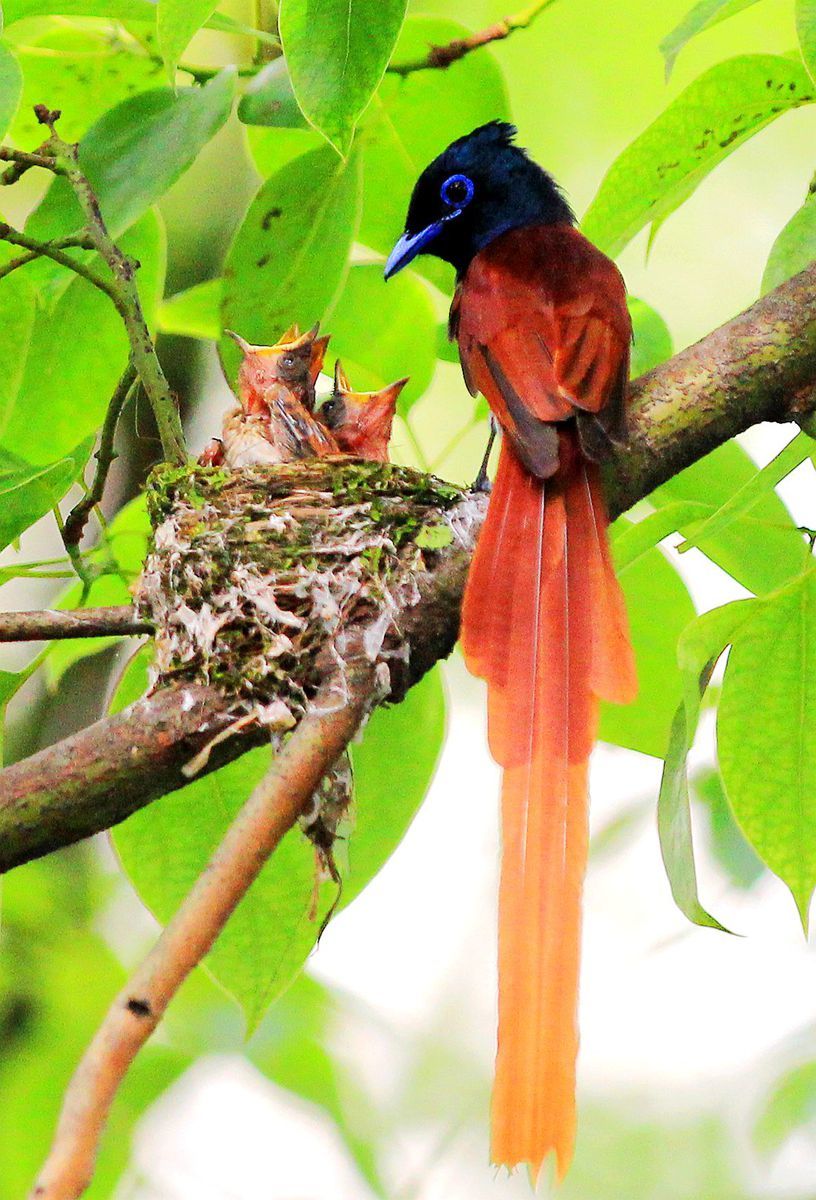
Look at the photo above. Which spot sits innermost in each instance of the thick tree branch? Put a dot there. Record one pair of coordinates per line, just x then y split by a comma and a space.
271, 810
759, 367
46, 625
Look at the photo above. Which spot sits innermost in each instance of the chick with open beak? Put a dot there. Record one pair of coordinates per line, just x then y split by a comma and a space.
361, 421
295, 360
272, 424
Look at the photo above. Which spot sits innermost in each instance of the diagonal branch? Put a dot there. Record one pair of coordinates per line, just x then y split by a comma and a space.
761, 366
271, 810
441, 57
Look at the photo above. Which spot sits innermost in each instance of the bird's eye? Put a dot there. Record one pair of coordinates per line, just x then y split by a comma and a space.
457, 191
329, 407
288, 360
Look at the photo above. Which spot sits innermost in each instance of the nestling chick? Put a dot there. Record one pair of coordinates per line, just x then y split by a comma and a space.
361, 421
295, 360
272, 425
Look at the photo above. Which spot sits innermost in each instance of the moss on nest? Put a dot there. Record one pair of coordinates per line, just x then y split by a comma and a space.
253, 573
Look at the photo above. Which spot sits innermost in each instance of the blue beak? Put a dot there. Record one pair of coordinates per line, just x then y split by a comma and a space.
410, 245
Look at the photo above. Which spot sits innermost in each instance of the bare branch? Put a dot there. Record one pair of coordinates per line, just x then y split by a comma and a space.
52, 624
268, 814
441, 57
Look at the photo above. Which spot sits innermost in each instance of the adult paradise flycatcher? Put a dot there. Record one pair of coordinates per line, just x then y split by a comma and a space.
544, 334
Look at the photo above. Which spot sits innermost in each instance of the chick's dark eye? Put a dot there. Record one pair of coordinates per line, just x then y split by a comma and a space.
288, 360
457, 191
329, 407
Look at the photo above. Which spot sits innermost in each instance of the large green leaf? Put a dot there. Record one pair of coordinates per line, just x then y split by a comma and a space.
397, 337
794, 248
114, 10
265, 943
766, 734
195, 312
135, 152
411, 120
761, 551
68, 378
176, 23
745, 498
28, 492
337, 52
82, 74
290, 255
729, 848
806, 29
652, 340
704, 15
11, 86
270, 101
698, 651
651, 586
17, 316
665, 164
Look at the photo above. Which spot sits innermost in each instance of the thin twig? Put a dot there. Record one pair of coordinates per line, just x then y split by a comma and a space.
79, 241
53, 624
441, 57
21, 161
124, 293
77, 518
38, 249
272, 810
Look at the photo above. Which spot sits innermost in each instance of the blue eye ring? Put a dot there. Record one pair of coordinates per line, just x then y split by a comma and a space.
457, 191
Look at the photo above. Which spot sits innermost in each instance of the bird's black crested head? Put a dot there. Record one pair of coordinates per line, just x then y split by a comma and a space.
480, 187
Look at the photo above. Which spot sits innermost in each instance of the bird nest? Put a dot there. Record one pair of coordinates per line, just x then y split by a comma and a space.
255, 576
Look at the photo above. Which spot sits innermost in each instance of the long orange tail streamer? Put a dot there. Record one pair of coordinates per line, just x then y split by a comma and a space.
544, 623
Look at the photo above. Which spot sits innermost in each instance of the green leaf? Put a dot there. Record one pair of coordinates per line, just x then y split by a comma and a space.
790, 1107
411, 120
652, 340
806, 29
68, 377
698, 650
17, 315
270, 101
704, 15
135, 152
290, 255
395, 339
650, 585
11, 86
195, 312
337, 59
267, 940
794, 248
632, 539
728, 846
766, 725
718, 112
177, 21
745, 498
82, 74
763, 551
114, 10
28, 492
